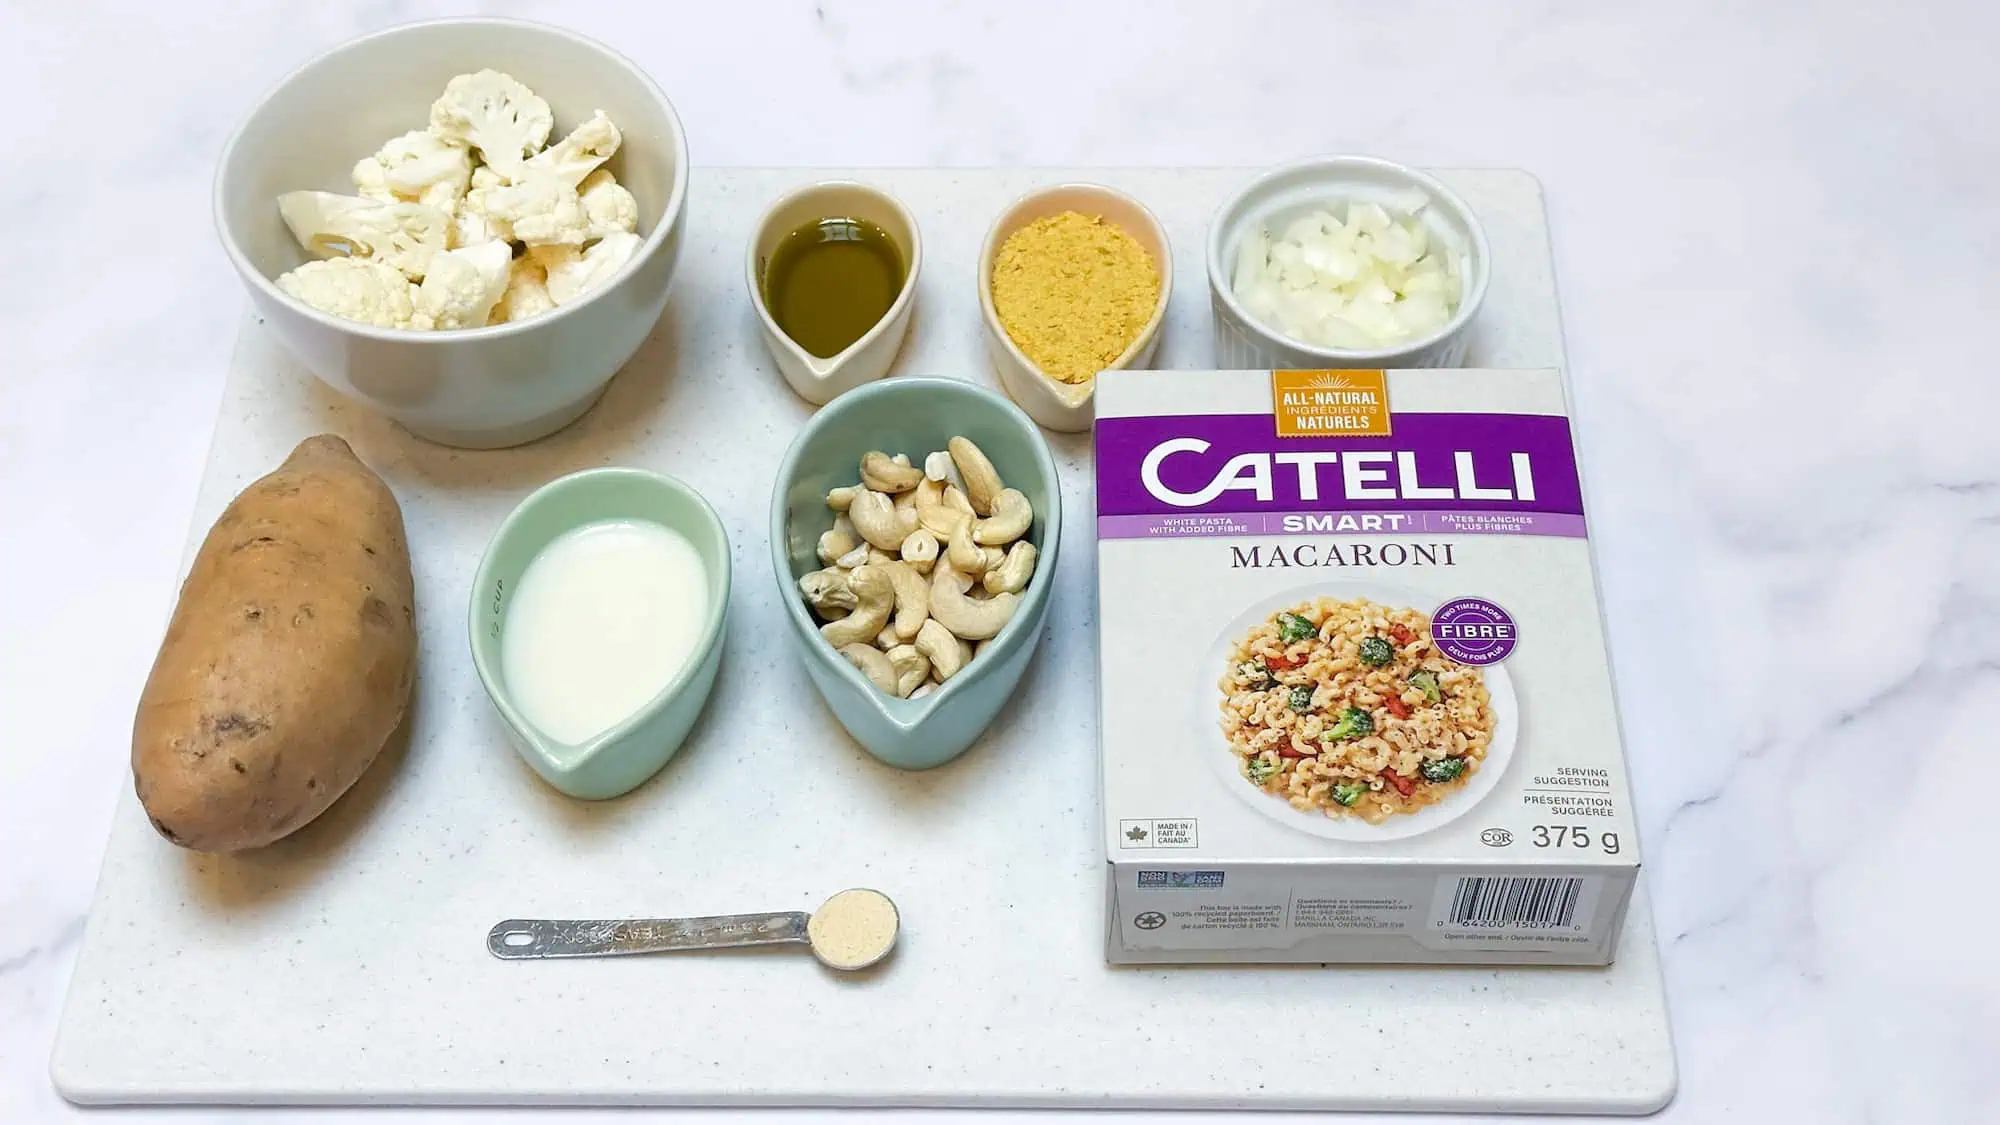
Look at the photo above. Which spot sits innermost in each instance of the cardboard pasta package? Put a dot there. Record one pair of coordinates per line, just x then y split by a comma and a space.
1355, 704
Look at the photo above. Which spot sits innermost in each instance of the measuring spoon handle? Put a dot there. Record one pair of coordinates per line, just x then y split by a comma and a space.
529, 938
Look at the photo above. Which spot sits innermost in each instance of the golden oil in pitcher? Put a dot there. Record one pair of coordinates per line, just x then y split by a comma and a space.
832, 280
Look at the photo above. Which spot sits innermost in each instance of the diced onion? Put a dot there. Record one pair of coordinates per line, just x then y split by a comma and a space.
1371, 282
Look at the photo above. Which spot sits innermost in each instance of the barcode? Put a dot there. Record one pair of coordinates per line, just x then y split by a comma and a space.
1515, 901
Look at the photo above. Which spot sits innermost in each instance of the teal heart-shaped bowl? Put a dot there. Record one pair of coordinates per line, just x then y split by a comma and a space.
916, 416
620, 759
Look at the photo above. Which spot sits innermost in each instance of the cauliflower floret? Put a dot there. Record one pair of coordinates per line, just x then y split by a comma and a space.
527, 292
578, 155
355, 289
538, 209
495, 114
572, 274
463, 286
371, 180
419, 166
607, 204
472, 222
472, 227
553, 257
405, 235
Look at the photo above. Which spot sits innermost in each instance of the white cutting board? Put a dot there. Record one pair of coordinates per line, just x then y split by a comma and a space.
347, 964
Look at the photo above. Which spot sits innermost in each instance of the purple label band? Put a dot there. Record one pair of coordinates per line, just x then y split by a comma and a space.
1235, 463
1341, 523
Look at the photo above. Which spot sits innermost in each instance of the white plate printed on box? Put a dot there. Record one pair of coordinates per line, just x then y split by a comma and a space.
347, 964
1222, 761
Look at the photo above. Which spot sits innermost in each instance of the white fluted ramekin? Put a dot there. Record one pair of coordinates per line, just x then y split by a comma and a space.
1242, 343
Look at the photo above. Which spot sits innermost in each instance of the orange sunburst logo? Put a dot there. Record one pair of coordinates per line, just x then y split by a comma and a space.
1330, 403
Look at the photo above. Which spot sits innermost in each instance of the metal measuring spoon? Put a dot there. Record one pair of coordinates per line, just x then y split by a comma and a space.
852, 930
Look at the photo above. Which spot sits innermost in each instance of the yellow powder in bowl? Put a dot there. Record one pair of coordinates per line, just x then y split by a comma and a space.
1073, 292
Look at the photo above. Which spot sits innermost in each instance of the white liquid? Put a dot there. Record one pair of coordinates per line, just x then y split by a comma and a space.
602, 619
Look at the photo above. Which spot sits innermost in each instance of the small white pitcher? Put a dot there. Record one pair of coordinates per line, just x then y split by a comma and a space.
819, 380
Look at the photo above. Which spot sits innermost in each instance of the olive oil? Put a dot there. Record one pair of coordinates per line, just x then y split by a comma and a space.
830, 281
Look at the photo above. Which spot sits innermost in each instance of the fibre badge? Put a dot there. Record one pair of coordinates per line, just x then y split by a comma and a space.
1474, 631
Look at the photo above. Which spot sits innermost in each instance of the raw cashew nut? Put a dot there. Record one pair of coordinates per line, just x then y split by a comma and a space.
1012, 575
874, 516
982, 480
968, 652
837, 540
969, 620
938, 467
906, 512
887, 638
1009, 521
936, 642
994, 557
877, 556
931, 512
882, 474
962, 553
857, 557
912, 668
941, 506
913, 598
920, 550
874, 598
828, 592
873, 664
929, 687
839, 498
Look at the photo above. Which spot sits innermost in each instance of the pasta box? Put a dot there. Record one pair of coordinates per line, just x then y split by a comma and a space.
1354, 700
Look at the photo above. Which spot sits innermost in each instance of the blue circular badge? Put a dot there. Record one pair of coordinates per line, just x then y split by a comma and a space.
1474, 631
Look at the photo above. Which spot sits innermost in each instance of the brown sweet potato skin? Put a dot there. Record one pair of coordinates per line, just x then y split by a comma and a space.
289, 659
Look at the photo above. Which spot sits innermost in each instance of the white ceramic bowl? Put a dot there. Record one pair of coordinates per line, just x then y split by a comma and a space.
819, 379
1068, 407
1284, 194
483, 387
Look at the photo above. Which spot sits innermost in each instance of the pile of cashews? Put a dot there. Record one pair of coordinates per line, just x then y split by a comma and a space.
923, 566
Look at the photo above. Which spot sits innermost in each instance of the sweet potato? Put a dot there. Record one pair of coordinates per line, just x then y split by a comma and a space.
289, 659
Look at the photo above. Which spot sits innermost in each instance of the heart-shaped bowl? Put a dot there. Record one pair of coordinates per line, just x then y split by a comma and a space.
916, 416
622, 757
1070, 407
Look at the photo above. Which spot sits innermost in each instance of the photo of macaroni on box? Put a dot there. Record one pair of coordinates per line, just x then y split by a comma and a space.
1377, 589
1347, 708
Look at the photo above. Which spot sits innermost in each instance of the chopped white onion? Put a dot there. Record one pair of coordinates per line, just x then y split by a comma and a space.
1374, 281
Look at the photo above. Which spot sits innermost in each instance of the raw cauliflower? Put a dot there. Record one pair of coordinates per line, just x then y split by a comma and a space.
572, 274
474, 220
473, 227
355, 289
471, 223
607, 204
539, 209
463, 286
418, 166
579, 154
495, 114
527, 293
404, 235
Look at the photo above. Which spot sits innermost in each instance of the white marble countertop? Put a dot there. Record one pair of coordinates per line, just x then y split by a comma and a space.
1769, 229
